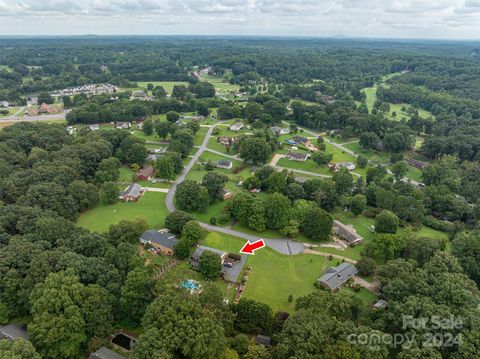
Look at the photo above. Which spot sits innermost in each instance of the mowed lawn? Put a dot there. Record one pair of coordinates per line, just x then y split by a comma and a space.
275, 276
150, 207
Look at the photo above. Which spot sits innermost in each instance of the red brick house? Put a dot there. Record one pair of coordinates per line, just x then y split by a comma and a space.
146, 173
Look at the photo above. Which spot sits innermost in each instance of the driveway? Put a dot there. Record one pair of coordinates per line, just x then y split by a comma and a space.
231, 274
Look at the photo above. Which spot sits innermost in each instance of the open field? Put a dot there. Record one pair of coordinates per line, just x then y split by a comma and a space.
150, 207
11, 111
9, 123
167, 85
219, 84
275, 276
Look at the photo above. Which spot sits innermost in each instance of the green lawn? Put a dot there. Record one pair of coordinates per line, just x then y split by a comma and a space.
150, 207
379, 156
167, 85
309, 165
275, 276
219, 84
371, 96
200, 135
11, 111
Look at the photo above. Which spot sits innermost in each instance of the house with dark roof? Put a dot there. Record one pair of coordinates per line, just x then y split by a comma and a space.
195, 260
131, 193
278, 131
160, 240
346, 232
262, 340
105, 353
297, 156
417, 163
13, 331
225, 164
146, 173
337, 276
123, 125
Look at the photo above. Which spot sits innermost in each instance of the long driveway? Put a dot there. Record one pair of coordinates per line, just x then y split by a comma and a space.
281, 245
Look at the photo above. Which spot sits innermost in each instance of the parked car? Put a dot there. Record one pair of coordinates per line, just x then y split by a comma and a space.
228, 265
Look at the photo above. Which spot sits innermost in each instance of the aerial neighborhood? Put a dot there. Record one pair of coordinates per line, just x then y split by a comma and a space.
237, 197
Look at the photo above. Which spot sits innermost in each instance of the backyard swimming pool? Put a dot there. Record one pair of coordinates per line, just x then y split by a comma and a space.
191, 285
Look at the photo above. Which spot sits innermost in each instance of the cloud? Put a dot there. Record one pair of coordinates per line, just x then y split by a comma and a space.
373, 18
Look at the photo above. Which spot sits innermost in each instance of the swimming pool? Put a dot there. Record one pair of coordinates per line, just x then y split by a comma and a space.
192, 285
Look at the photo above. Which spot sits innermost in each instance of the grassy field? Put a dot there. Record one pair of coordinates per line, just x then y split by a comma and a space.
200, 135
11, 111
377, 156
9, 123
371, 97
275, 276
167, 85
150, 207
219, 84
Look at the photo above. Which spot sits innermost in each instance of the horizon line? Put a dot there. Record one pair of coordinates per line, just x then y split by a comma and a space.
337, 37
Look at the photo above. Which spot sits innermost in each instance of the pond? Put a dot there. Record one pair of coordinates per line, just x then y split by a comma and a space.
123, 341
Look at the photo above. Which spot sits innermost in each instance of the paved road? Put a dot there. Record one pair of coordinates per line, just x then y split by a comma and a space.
186, 169
281, 245
58, 116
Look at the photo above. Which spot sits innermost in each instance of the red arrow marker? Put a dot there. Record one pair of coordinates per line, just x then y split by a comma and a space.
250, 248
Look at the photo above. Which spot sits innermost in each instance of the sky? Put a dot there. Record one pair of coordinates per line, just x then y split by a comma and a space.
435, 19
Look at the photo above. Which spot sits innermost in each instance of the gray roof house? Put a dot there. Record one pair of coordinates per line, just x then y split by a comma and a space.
346, 232
13, 331
195, 260
131, 193
159, 239
297, 156
262, 340
236, 127
226, 164
335, 277
105, 353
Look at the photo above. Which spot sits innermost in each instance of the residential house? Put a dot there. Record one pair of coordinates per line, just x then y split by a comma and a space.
94, 127
236, 127
105, 353
416, 163
195, 260
163, 241
290, 141
13, 331
123, 125
227, 141
336, 166
131, 193
301, 140
70, 130
380, 304
146, 173
227, 194
278, 131
225, 164
297, 156
4, 104
140, 126
262, 340
346, 233
335, 277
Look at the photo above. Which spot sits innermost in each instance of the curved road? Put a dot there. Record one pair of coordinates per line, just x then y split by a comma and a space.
281, 245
